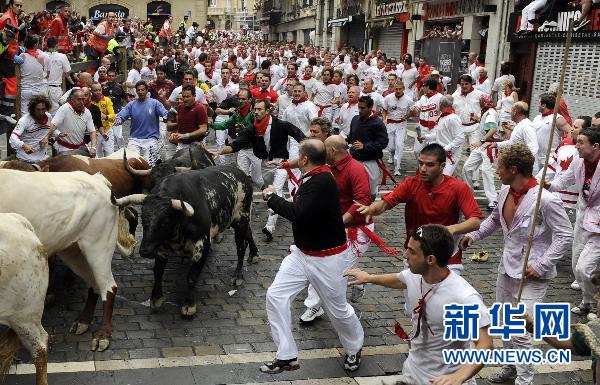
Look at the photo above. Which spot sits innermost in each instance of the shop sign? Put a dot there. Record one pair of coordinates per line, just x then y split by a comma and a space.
590, 32
452, 9
101, 11
386, 9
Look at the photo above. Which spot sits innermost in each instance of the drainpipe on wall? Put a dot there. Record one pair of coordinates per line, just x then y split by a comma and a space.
501, 32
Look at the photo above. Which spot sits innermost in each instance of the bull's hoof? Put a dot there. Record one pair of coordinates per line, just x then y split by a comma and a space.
188, 311
250, 260
237, 281
219, 238
156, 304
79, 327
100, 344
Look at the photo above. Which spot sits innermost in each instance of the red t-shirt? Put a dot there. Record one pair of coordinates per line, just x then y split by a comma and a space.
440, 205
189, 118
352, 180
269, 95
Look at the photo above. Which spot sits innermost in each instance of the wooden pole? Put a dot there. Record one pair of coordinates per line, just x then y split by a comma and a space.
536, 210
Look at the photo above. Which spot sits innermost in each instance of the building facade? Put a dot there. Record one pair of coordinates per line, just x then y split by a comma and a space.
220, 14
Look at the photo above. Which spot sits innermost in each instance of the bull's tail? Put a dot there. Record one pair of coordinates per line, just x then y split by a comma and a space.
126, 241
9, 347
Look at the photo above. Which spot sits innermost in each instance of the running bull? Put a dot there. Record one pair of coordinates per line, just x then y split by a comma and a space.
182, 216
74, 218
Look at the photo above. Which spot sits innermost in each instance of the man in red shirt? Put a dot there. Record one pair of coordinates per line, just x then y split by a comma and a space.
263, 92
433, 198
192, 120
352, 181
59, 29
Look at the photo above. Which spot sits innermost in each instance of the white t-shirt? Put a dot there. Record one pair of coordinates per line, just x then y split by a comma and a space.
33, 73
499, 82
425, 360
67, 121
200, 97
58, 64
147, 74
133, 77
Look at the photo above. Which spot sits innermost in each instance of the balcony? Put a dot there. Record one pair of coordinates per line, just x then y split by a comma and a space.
272, 6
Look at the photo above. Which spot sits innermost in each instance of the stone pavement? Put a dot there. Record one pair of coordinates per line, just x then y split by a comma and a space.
231, 321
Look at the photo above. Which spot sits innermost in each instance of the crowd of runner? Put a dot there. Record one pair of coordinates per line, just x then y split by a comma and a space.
263, 98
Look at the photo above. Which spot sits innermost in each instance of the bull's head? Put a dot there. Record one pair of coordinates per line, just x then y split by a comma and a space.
160, 219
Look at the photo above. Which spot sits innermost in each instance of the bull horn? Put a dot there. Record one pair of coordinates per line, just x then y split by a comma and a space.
192, 160
134, 199
36, 167
180, 205
183, 169
132, 170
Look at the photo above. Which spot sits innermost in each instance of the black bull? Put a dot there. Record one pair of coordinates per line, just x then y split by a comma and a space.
182, 215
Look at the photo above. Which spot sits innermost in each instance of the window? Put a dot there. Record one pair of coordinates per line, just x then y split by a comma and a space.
212, 3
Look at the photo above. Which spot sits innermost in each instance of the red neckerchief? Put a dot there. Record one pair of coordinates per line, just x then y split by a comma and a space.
373, 115
468, 92
518, 194
430, 93
550, 112
407, 67
302, 100
420, 308
387, 68
42, 121
508, 93
482, 79
285, 80
77, 111
245, 110
250, 77
260, 126
590, 168
102, 78
33, 52
354, 67
304, 77
209, 74
352, 102
315, 171
446, 112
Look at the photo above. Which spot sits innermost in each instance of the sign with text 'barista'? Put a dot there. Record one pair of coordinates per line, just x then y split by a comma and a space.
100, 11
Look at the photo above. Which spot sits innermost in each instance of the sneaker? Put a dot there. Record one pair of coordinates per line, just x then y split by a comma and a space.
268, 234
583, 309
311, 314
356, 293
592, 316
549, 24
390, 159
577, 25
492, 206
505, 374
352, 362
278, 366
575, 285
476, 186
396, 172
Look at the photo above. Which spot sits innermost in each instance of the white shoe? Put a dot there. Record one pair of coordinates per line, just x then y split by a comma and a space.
592, 316
390, 159
549, 24
397, 173
311, 314
575, 285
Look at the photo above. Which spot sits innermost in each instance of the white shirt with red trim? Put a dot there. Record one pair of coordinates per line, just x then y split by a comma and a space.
429, 109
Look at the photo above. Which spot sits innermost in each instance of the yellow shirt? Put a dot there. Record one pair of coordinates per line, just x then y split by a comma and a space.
106, 107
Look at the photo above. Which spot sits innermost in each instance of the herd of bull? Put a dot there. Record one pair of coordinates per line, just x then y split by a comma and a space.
81, 209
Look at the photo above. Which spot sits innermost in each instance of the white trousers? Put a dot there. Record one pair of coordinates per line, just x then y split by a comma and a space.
586, 255
105, 147
251, 166
54, 93
26, 95
479, 159
534, 291
220, 138
451, 164
528, 13
374, 175
354, 251
396, 135
118, 135
279, 180
148, 149
293, 149
325, 273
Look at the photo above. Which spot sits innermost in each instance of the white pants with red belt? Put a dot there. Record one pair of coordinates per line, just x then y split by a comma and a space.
356, 249
480, 159
452, 161
297, 271
396, 135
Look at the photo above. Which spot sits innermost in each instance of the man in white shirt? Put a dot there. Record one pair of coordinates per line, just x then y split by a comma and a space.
133, 77
484, 84
522, 133
429, 285
217, 94
542, 125
148, 73
209, 76
31, 130
58, 69
280, 87
449, 134
467, 107
309, 81
348, 111
396, 108
498, 85
368, 90
324, 93
410, 78
428, 108
285, 99
188, 78
70, 124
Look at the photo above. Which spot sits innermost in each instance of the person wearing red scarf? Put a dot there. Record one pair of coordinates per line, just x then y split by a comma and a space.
30, 131
396, 109
484, 84
428, 109
59, 29
551, 241
348, 111
542, 124
318, 257
292, 73
467, 107
369, 90
484, 156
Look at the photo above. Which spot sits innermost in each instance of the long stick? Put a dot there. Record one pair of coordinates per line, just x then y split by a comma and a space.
536, 211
